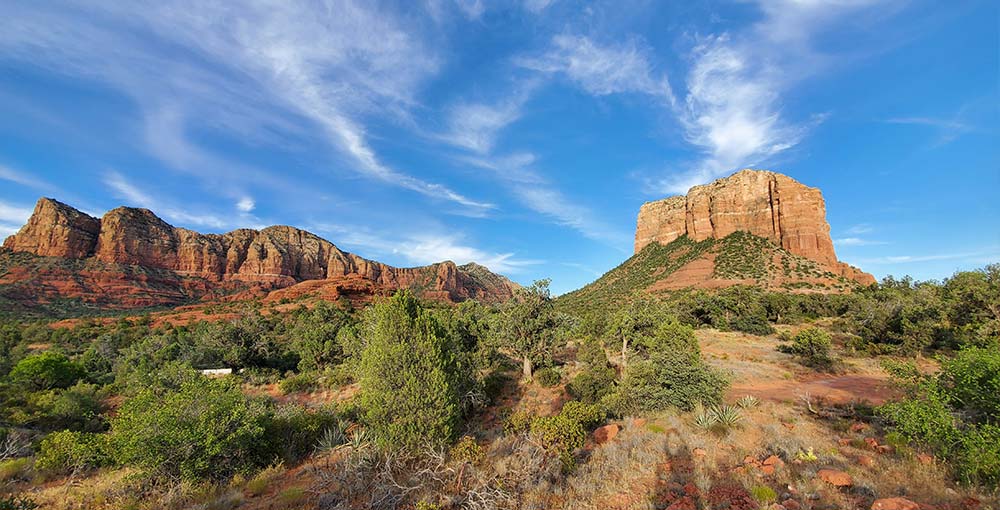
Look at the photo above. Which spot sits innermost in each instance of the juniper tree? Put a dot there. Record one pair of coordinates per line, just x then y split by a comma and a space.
526, 326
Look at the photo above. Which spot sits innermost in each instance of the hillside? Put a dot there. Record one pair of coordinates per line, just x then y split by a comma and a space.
737, 259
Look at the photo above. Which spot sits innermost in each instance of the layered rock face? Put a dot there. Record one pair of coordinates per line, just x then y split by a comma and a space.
763, 203
275, 256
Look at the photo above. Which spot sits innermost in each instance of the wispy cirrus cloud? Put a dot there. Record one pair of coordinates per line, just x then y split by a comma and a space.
601, 69
12, 217
134, 196
979, 256
857, 241
247, 70
422, 248
11, 175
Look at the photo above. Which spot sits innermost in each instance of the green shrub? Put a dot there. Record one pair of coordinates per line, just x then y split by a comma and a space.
410, 377
517, 423
752, 324
764, 494
548, 377
292, 432
467, 450
15, 502
298, 383
205, 429
63, 452
667, 380
14, 468
587, 415
46, 371
558, 433
811, 346
592, 385
978, 456
971, 380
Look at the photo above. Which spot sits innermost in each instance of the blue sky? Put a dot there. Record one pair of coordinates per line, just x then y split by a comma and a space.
523, 135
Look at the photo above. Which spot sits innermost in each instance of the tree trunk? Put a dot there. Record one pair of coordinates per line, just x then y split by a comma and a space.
624, 352
527, 367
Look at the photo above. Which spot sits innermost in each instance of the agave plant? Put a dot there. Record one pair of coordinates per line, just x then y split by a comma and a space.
748, 401
727, 416
332, 438
705, 419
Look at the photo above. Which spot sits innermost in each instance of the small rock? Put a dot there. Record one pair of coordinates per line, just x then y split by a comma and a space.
606, 433
844, 441
767, 469
866, 461
835, 477
925, 459
871, 442
858, 427
639, 422
894, 504
791, 504
774, 460
699, 452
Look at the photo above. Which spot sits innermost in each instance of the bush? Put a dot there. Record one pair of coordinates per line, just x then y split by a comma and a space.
17, 503
14, 468
410, 376
467, 450
811, 346
205, 429
971, 380
592, 385
587, 415
517, 423
46, 371
67, 451
752, 324
673, 375
558, 433
292, 432
298, 383
548, 377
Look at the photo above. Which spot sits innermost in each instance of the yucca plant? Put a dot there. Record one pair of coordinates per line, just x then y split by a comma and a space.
332, 438
727, 416
748, 401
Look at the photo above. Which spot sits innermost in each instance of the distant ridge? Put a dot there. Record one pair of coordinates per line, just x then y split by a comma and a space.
132, 258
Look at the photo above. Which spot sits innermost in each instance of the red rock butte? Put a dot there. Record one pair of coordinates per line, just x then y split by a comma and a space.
763, 203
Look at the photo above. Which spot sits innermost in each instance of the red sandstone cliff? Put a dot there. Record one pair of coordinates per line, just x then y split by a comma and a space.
274, 257
760, 202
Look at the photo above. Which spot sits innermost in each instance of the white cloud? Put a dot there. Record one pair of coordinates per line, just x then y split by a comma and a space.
537, 6
9, 174
732, 110
856, 241
251, 71
861, 228
984, 254
246, 204
601, 70
7, 230
473, 9
421, 249
136, 197
14, 214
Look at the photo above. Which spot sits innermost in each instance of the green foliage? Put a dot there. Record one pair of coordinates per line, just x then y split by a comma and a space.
548, 377
204, 429
812, 347
671, 376
298, 383
587, 415
764, 494
597, 378
15, 502
76, 408
635, 324
518, 422
953, 413
67, 451
46, 371
292, 432
971, 379
526, 326
748, 402
410, 376
467, 450
558, 433
12, 469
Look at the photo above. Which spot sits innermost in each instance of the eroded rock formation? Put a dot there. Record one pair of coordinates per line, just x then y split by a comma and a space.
274, 257
763, 203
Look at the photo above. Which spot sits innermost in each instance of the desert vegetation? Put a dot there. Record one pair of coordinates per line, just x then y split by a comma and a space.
532, 403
